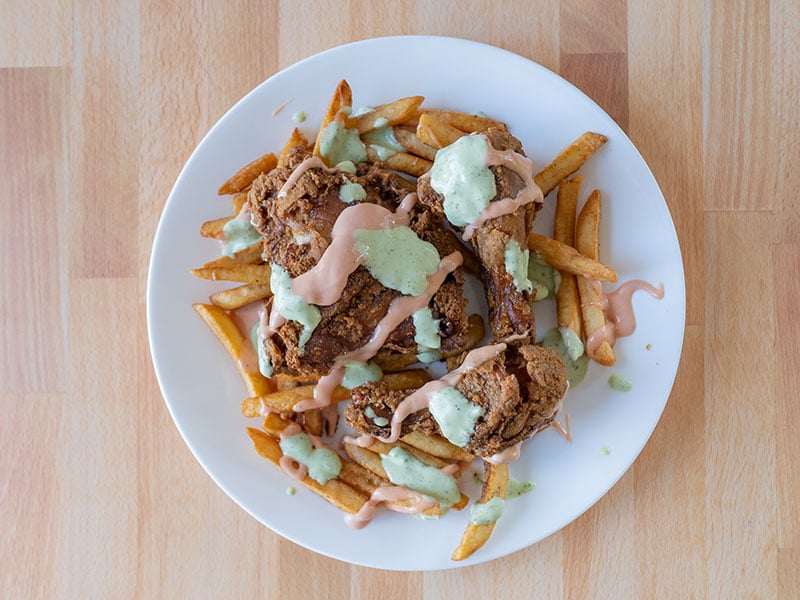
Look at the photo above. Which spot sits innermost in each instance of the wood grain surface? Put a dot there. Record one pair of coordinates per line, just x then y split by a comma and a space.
100, 105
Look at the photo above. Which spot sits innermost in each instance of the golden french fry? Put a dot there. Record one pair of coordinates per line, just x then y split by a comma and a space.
213, 229
391, 362
568, 303
342, 96
388, 114
422, 456
238, 202
336, 492
463, 121
236, 344
255, 274
312, 421
495, 484
403, 162
245, 176
566, 258
295, 139
246, 256
436, 445
437, 133
366, 458
238, 297
587, 241
408, 139
569, 160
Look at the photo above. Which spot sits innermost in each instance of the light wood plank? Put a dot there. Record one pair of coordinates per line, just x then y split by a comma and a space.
740, 521
36, 34
391, 585
604, 78
593, 27
33, 108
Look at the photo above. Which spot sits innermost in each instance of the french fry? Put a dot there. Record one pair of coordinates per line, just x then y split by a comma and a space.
255, 274
569, 160
422, 456
568, 303
237, 297
587, 242
402, 161
295, 139
393, 112
566, 258
437, 133
436, 445
246, 256
238, 202
495, 484
463, 121
245, 176
360, 478
223, 326
342, 96
408, 138
312, 421
213, 228
338, 493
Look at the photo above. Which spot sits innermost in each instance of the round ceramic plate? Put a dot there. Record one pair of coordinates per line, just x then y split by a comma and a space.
199, 381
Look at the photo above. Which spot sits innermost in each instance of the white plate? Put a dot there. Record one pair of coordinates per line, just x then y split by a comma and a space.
203, 391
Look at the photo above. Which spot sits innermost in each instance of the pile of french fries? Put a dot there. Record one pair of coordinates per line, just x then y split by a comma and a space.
422, 131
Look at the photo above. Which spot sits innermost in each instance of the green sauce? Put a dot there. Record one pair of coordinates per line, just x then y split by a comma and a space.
427, 335
379, 421
488, 512
460, 174
322, 464
455, 415
403, 469
291, 491
620, 383
346, 166
381, 122
518, 488
337, 143
572, 343
350, 192
516, 260
292, 306
362, 110
239, 234
545, 279
605, 451
299, 116
263, 360
358, 373
576, 369
382, 140
397, 258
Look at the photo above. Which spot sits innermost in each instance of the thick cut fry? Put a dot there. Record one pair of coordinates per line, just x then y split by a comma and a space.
402, 161
245, 176
285, 400
342, 96
336, 492
423, 457
568, 303
495, 484
246, 256
255, 274
213, 229
393, 113
238, 202
436, 445
588, 243
569, 160
463, 121
437, 133
236, 344
312, 422
566, 258
295, 139
238, 297
366, 458
408, 139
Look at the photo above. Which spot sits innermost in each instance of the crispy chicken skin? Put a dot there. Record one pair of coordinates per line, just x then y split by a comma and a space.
510, 313
297, 231
520, 391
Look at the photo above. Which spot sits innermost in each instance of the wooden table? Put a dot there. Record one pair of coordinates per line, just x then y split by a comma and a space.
100, 105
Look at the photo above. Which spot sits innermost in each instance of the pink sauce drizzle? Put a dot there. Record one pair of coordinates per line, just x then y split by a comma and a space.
399, 310
507, 455
245, 318
390, 496
312, 162
620, 319
422, 397
364, 440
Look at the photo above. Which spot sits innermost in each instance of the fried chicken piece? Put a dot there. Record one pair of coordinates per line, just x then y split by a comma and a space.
510, 313
297, 230
520, 391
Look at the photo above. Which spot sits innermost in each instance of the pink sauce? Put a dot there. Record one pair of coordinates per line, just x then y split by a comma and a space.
391, 496
620, 319
364, 440
330, 416
246, 318
324, 283
565, 430
507, 455
312, 162
400, 309
422, 397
